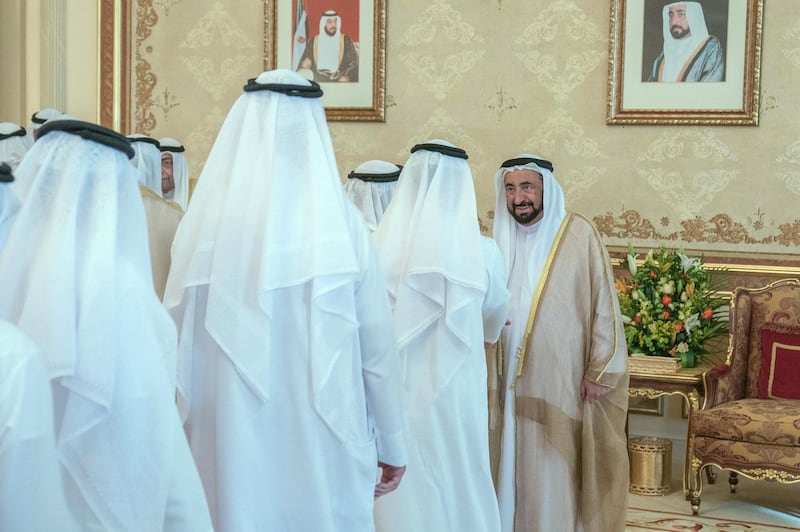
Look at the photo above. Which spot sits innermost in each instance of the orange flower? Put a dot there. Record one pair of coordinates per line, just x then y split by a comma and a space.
665, 314
652, 274
620, 285
708, 313
678, 326
666, 300
637, 318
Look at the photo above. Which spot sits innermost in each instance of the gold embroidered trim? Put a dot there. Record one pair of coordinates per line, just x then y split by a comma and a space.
523, 346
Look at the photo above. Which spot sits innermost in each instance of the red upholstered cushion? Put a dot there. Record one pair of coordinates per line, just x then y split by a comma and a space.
780, 363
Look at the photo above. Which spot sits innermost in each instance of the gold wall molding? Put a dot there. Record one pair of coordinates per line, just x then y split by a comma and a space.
114, 78
718, 229
114, 102
146, 79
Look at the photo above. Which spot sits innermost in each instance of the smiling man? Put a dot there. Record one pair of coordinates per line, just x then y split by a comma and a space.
562, 364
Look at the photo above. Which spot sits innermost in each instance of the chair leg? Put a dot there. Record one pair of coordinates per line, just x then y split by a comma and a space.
733, 480
695, 487
711, 476
695, 502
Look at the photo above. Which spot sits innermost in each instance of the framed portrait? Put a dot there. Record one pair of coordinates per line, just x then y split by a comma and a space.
646, 406
341, 44
684, 63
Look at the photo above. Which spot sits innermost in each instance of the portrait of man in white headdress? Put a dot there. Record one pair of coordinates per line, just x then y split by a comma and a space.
330, 56
693, 34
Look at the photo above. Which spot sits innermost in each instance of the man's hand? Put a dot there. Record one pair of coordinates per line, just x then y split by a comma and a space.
390, 478
591, 391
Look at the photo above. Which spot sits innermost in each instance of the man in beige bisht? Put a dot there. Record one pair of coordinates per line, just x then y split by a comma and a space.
563, 386
163, 216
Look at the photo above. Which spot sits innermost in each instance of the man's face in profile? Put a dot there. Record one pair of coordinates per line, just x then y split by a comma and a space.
167, 181
330, 26
678, 23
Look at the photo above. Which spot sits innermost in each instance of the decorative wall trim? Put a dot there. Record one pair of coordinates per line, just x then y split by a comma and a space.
146, 20
720, 228
743, 268
114, 63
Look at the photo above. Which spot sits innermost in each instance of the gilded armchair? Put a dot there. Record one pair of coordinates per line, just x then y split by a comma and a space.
749, 423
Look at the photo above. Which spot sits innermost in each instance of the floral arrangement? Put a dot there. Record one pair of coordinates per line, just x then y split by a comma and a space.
669, 307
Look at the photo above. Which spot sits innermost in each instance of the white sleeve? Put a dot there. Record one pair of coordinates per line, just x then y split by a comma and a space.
495, 302
186, 509
380, 361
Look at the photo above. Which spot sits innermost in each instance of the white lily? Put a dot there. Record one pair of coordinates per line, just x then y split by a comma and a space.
691, 322
687, 263
632, 263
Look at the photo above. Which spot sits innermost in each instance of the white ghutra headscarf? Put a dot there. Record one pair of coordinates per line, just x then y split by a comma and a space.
678, 51
370, 187
505, 227
269, 212
77, 280
38, 119
147, 160
430, 246
180, 172
329, 46
13, 144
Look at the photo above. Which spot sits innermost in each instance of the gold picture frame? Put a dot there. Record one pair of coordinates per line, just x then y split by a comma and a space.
285, 33
635, 97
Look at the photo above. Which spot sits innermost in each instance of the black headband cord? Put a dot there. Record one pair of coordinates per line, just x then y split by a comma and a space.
450, 151
89, 131
172, 149
375, 177
302, 91
522, 161
146, 140
18, 133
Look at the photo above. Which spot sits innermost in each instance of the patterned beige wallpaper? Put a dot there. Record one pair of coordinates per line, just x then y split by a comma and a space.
507, 76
